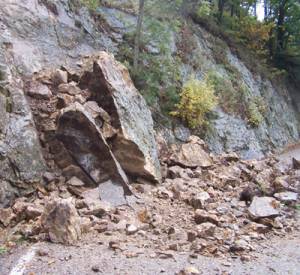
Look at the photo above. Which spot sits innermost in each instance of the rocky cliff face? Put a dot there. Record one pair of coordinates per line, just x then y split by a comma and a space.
38, 38
38, 34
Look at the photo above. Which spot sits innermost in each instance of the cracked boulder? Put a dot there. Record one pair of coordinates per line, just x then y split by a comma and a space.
81, 136
112, 88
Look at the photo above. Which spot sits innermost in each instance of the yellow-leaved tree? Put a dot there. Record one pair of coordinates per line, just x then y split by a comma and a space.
196, 100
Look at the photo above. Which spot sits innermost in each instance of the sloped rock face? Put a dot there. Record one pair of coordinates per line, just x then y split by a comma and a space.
279, 125
38, 35
134, 146
21, 160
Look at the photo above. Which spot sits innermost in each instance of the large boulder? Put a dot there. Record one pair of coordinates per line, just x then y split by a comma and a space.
61, 222
79, 133
191, 154
134, 146
264, 207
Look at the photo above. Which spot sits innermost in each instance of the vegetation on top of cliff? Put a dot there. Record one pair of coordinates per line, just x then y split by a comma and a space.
275, 39
265, 46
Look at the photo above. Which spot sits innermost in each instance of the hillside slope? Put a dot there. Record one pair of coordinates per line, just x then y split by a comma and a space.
39, 35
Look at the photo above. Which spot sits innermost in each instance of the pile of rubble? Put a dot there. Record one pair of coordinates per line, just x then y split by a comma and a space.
93, 124
97, 137
209, 205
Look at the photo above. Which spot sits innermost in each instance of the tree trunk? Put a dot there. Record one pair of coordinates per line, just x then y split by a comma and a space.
221, 4
265, 9
232, 10
280, 27
254, 9
138, 35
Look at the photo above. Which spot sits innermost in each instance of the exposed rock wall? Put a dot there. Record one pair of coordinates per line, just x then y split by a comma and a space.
21, 161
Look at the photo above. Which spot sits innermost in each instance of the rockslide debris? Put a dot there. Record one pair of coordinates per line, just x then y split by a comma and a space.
97, 139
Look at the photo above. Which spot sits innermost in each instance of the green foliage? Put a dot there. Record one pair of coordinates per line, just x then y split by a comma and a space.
235, 98
219, 51
253, 114
3, 250
230, 99
158, 77
204, 9
197, 99
275, 42
91, 4
254, 34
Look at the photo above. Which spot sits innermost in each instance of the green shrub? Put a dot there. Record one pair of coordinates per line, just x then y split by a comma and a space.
196, 100
91, 4
219, 51
158, 76
230, 99
254, 116
204, 9
3, 250
235, 98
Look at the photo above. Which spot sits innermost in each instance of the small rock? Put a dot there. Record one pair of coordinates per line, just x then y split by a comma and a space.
33, 211
6, 216
179, 172
280, 184
19, 209
74, 181
286, 196
64, 100
191, 236
58, 77
231, 156
199, 200
42, 253
245, 258
202, 216
114, 245
173, 246
39, 91
240, 245
192, 154
49, 177
69, 88
189, 271
205, 230
296, 163
95, 268
226, 263
163, 193
260, 228
131, 229
263, 207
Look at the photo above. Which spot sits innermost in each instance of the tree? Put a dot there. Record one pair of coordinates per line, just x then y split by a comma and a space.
138, 35
221, 6
286, 16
